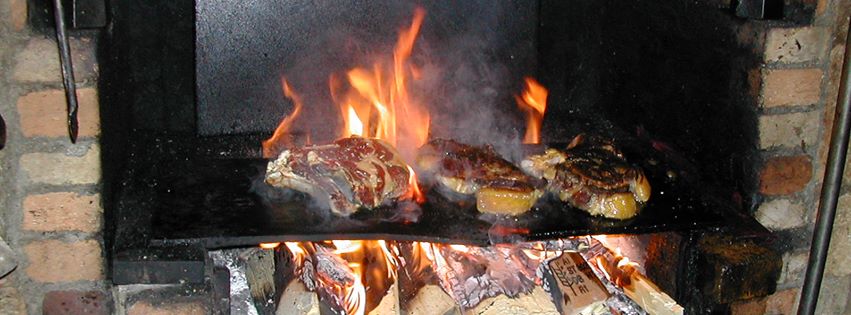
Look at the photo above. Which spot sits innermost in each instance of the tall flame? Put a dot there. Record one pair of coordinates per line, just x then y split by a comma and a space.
379, 100
534, 102
272, 145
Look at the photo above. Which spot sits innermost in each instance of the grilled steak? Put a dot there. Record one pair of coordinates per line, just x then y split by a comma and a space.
499, 186
592, 175
349, 173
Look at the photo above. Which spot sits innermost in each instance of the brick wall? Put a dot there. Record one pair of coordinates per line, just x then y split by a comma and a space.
797, 91
50, 204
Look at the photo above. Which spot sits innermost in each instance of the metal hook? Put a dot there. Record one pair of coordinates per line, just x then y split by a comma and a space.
67, 70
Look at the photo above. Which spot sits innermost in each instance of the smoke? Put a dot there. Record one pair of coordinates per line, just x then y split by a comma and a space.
472, 56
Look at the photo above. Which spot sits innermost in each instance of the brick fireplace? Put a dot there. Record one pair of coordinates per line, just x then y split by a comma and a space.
51, 207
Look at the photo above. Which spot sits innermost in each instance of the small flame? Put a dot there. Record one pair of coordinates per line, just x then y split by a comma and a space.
272, 146
616, 267
534, 102
356, 294
346, 246
414, 191
460, 248
269, 245
353, 124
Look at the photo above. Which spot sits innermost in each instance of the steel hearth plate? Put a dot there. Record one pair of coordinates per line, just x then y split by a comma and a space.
223, 203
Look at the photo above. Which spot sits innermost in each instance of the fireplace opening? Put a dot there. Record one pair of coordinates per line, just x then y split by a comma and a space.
191, 90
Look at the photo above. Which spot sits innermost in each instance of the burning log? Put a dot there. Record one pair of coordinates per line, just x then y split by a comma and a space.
622, 273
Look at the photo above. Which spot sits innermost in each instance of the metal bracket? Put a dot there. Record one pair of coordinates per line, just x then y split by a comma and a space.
759, 9
88, 13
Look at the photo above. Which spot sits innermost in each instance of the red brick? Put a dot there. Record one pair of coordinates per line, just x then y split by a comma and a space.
18, 14
11, 300
788, 87
59, 261
43, 113
793, 45
785, 175
783, 302
75, 302
62, 211
179, 308
38, 62
63, 168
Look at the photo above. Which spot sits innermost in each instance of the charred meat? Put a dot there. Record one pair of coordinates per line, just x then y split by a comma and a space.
349, 173
499, 186
592, 175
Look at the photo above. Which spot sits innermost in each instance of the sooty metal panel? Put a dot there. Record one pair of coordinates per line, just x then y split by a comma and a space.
244, 47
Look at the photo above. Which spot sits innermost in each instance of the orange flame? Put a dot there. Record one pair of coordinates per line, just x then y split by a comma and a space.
269, 245
379, 105
272, 146
534, 102
618, 268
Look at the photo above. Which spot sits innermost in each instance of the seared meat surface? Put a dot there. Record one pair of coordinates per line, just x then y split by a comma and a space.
499, 186
593, 175
349, 173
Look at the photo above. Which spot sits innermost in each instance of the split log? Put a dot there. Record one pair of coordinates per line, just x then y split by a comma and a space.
389, 304
639, 288
537, 302
650, 297
431, 299
574, 287
260, 274
297, 300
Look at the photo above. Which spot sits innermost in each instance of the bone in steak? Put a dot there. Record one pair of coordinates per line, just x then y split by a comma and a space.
592, 175
499, 186
350, 173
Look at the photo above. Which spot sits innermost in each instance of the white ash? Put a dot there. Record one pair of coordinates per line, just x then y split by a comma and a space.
241, 301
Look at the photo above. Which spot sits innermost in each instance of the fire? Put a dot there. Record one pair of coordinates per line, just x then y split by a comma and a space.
534, 102
269, 245
271, 146
378, 103
617, 268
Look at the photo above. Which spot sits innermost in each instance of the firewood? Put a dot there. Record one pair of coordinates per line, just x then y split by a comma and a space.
537, 302
430, 299
574, 287
653, 300
639, 288
260, 273
389, 304
297, 300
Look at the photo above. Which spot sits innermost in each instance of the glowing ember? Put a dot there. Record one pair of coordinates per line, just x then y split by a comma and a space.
534, 102
269, 245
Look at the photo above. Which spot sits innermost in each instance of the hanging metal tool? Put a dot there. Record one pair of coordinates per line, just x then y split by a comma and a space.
67, 69
830, 190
